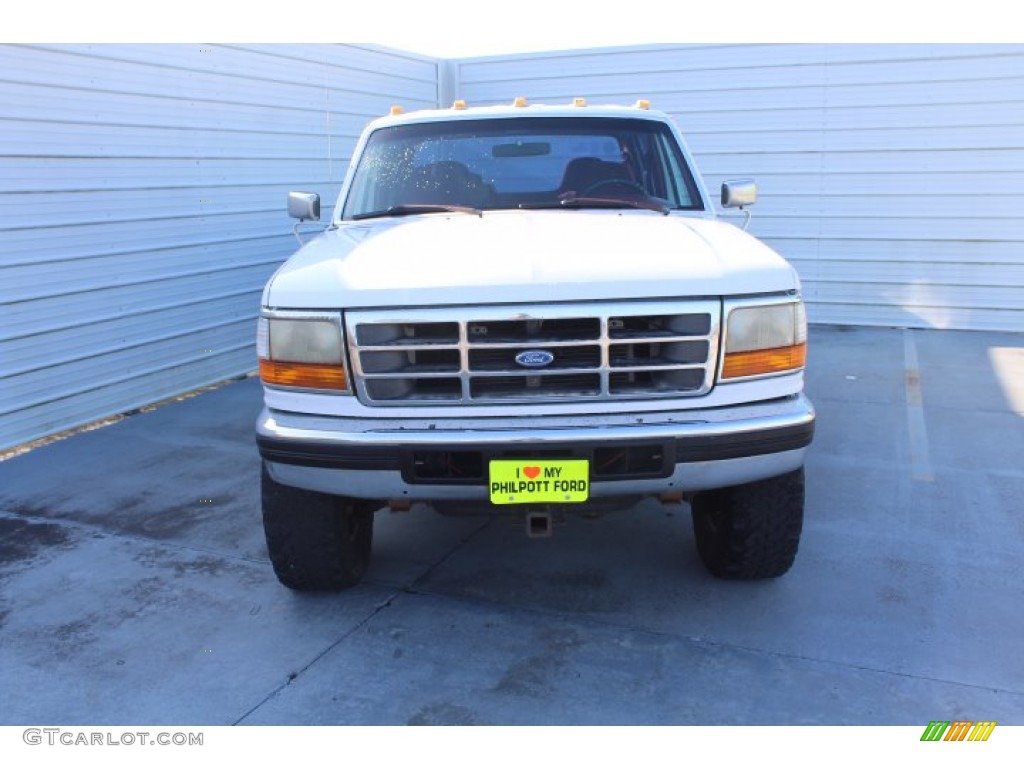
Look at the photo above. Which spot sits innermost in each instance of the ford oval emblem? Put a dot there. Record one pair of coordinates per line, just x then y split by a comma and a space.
534, 358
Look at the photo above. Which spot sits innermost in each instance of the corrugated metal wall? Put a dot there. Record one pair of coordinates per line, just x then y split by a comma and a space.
892, 176
142, 187
142, 197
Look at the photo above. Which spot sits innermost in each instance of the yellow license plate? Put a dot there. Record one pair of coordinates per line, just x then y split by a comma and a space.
532, 481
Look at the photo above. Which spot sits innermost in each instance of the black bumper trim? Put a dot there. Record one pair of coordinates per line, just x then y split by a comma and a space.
327, 456
697, 448
722, 447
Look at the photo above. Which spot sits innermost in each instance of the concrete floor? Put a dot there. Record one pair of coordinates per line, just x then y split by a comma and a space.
125, 598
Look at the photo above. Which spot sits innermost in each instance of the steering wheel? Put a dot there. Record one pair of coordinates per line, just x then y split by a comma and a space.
606, 182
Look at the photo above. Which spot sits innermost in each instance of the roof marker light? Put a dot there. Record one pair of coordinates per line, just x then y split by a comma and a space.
520, 101
396, 110
642, 104
579, 101
458, 104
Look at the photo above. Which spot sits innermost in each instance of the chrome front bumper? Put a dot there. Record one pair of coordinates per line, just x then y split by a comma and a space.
373, 458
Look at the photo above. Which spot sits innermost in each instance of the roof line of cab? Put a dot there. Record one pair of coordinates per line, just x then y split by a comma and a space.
461, 109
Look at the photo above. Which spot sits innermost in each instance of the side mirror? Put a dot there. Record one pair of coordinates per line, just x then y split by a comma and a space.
739, 193
305, 206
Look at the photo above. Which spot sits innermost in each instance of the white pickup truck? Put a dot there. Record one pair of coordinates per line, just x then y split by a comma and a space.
530, 310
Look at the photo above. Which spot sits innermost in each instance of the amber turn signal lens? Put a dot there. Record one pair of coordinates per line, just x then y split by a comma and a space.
762, 361
305, 375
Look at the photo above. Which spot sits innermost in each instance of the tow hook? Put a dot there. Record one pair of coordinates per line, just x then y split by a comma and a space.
538, 525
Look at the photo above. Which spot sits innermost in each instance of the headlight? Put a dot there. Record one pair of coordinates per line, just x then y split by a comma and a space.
302, 350
763, 340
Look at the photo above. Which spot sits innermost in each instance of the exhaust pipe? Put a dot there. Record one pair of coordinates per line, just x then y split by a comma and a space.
538, 525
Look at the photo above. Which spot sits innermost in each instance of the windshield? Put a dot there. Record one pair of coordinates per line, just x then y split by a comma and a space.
521, 163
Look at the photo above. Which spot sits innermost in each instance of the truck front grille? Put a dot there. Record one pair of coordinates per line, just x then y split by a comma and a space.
535, 353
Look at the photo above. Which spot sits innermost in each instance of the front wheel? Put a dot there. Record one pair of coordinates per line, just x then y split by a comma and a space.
750, 531
315, 541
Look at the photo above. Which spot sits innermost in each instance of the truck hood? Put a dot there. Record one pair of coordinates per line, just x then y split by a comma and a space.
525, 257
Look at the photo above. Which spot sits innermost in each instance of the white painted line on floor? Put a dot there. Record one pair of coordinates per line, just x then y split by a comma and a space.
920, 459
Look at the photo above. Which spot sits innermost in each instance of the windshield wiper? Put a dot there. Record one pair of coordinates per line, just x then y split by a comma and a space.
412, 208
599, 202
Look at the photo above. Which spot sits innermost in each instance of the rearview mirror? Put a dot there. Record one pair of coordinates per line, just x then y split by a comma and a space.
739, 193
304, 206
522, 149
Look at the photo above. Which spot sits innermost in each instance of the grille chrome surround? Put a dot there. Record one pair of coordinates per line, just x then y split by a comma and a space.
603, 351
